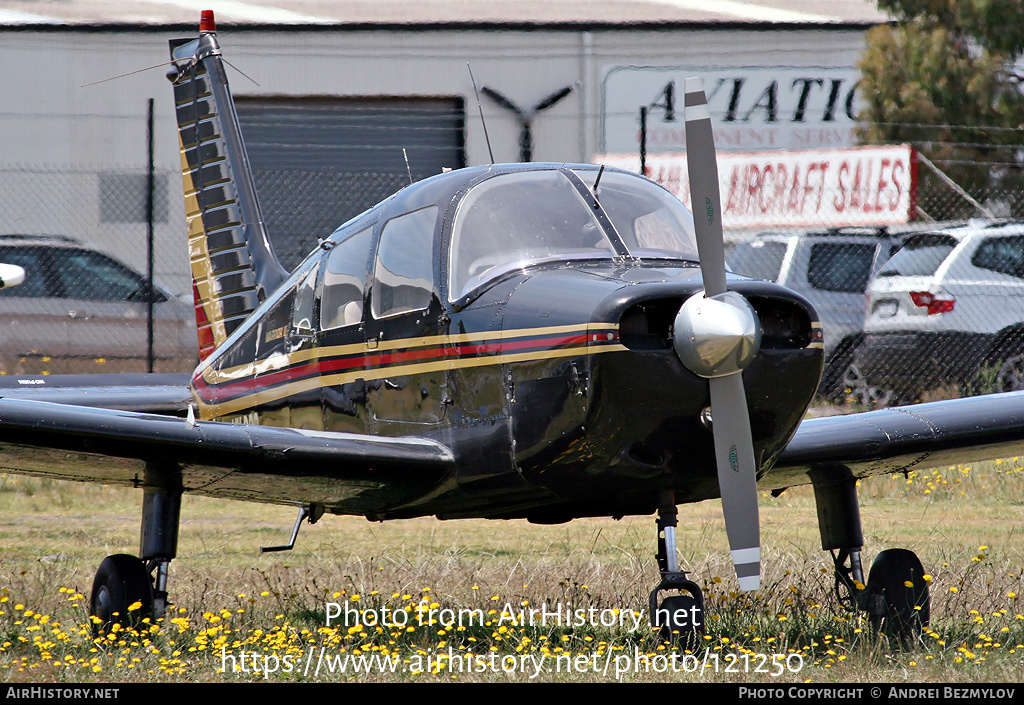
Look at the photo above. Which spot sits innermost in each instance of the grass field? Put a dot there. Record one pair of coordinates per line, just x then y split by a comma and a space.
450, 594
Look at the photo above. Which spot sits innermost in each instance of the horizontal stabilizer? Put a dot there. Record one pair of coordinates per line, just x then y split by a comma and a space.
160, 393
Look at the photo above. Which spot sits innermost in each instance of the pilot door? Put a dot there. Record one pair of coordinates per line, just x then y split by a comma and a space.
406, 359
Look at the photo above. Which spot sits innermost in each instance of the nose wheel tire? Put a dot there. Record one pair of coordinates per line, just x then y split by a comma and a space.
122, 582
681, 622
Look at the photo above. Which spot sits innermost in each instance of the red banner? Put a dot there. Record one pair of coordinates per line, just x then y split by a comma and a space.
856, 186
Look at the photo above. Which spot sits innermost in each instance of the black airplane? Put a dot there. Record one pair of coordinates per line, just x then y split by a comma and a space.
517, 341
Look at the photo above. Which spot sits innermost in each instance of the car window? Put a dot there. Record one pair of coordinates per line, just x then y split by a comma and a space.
403, 275
920, 257
90, 276
844, 267
758, 259
34, 263
1004, 255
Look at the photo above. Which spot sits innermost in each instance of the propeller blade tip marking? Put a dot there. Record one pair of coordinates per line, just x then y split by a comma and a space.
746, 555
752, 582
697, 112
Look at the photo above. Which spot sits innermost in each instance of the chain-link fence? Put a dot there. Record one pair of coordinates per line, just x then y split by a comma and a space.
928, 310
83, 238
944, 317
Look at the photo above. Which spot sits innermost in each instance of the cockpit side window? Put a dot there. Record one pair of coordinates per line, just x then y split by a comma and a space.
513, 220
274, 327
341, 303
403, 275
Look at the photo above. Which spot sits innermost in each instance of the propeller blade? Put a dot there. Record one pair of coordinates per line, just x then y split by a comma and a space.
705, 200
737, 476
734, 447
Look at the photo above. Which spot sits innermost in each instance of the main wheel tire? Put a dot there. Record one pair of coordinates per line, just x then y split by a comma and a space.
681, 622
120, 583
896, 584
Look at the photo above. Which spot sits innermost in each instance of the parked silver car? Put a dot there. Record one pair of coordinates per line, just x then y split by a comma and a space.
79, 310
831, 269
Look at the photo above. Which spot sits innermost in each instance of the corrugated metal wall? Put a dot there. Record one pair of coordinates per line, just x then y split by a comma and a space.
319, 162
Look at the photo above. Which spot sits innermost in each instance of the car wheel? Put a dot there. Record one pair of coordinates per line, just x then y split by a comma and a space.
832, 379
1010, 377
858, 391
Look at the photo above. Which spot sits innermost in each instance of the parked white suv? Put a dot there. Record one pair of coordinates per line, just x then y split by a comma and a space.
831, 269
949, 308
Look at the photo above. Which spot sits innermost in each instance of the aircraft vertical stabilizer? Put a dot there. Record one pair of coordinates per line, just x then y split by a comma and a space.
233, 264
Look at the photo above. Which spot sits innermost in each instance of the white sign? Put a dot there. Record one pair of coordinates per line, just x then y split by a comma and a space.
752, 107
858, 186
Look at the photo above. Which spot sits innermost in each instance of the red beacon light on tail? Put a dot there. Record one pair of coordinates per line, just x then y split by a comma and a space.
206, 23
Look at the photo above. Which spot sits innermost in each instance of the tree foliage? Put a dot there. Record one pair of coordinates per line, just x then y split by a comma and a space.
943, 79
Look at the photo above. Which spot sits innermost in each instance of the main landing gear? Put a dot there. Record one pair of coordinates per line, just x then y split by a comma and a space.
128, 590
895, 595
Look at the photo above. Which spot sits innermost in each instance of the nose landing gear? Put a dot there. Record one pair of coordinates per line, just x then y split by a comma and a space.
679, 619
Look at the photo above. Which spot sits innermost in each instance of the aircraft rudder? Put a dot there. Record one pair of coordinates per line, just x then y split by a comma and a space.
233, 264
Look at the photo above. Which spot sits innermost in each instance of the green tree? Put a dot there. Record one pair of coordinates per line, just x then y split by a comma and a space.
942, 78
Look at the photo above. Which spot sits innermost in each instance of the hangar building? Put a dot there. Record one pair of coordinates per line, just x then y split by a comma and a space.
341, 101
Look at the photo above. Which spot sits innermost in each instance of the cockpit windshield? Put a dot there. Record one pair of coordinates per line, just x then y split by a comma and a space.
651, 222
523, 218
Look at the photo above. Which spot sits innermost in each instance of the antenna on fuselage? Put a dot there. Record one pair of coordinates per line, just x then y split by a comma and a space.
407, 167
481, 109
600, 173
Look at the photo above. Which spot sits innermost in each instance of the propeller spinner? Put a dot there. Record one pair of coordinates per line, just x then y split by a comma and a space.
716, 335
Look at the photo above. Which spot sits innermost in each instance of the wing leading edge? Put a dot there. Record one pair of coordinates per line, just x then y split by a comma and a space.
902, 439
345, 473
143, 392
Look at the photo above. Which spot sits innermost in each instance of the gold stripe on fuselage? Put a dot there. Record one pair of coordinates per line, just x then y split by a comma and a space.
213, 376
286, 389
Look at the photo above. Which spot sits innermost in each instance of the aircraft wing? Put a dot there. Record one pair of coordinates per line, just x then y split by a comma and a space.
145, 392
902, 439
344, 472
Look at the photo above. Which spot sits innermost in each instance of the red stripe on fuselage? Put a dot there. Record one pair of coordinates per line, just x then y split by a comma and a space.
228, 390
